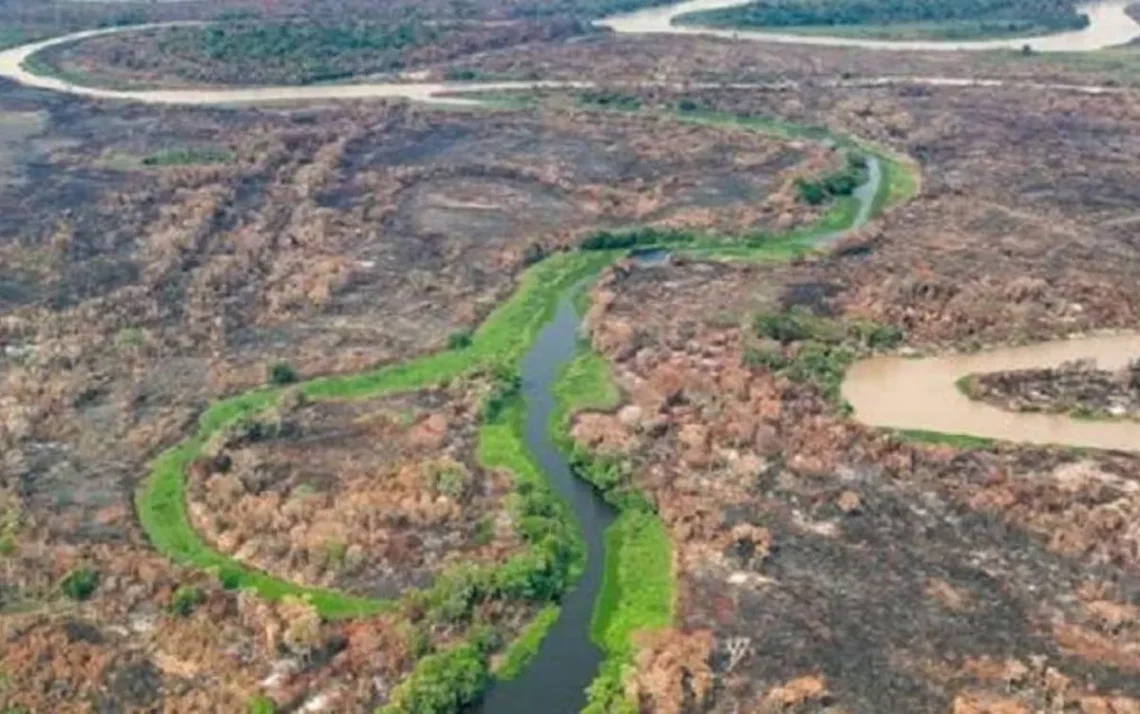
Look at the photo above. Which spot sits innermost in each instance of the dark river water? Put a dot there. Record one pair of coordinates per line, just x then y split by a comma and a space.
555, 681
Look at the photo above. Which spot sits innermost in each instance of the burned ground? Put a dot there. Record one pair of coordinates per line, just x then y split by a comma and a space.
850, 569
374, 496
155, 259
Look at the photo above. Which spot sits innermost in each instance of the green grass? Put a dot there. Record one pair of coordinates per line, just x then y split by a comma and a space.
637, 592
14, 37
965, 442
188, 157
526, 645
502, 339
965, 385
899, 19
637, 587
911, 31
585, 383
1114, 66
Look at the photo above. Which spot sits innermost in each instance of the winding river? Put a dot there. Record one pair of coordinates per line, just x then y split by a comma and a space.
568, 660
922, 394
1109, 25
885, 391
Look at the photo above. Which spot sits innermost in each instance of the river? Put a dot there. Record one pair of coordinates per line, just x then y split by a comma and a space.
568, 660
909, 393
1109, 26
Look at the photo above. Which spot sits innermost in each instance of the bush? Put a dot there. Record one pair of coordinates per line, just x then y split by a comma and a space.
647, 236
506, 387
80, 583
460, 74
459, 340
833, 185
810, 192
771, 360
614, 100
281, 373
784, 327
185, 599
535, 252
188, 157
443, 683
261, 704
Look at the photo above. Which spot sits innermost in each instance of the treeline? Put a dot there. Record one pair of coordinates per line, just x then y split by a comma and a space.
302, 52
591, 9
1051, 14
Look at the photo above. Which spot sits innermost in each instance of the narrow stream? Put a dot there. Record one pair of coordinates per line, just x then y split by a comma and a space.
556, 680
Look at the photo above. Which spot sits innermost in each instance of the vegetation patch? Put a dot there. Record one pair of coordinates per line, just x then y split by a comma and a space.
80, 584
637, 592
812, 349
188, 157
442, 683
835, 184
526, 645
901, 19
965, 442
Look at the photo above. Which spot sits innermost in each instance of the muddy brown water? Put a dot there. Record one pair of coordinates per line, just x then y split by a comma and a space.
921, 393
1109, 26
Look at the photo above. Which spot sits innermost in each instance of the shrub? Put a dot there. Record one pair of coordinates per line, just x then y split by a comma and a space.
771, 360
810, 192
188, 157
460, 74
281, 373
838, 183
443, 683
261, 704
535, 252
506, 387
615, 100
80, 583
185, 599
784, 327
459, 340
877, 336
646, 236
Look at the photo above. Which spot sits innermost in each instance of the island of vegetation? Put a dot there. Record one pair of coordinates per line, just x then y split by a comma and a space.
901, 19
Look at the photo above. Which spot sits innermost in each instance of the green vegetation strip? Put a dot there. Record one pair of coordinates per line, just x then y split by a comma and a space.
525, 647
901, 19
501, 340
637, 592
